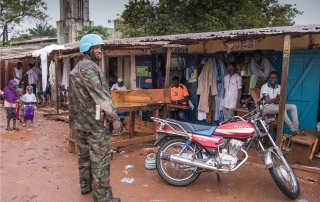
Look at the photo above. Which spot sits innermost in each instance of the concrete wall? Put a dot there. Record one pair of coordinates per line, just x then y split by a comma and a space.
66, 29
267, 43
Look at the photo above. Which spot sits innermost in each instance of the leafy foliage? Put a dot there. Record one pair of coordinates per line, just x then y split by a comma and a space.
24, 37
5, 44
14, 12
101, 31
145, 18
43, 30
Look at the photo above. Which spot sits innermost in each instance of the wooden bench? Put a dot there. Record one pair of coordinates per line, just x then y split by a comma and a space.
303, 147
132, 101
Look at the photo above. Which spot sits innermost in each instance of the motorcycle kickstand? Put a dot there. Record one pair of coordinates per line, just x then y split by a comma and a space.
218, 176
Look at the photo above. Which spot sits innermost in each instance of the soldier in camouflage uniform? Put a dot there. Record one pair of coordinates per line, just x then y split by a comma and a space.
88, 87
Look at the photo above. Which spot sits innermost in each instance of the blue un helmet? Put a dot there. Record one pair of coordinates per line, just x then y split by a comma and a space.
88, 41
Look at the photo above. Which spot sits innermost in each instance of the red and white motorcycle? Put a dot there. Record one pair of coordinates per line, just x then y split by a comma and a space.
190, 149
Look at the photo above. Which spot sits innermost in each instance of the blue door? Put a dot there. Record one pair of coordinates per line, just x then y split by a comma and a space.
303, 87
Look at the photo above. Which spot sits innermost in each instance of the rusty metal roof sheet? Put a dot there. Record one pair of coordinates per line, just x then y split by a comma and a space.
158, 41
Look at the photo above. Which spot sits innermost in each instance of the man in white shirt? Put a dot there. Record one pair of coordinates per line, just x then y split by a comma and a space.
232, 91
119, 85
32, 77
18, 75
271, 90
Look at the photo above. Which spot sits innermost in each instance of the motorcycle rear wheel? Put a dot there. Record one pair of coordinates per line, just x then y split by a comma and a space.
174, 173
284, 177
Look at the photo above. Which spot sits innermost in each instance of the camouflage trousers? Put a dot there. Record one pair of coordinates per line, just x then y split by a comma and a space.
94, 154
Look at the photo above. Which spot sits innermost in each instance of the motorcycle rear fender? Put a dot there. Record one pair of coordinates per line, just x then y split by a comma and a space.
161, 137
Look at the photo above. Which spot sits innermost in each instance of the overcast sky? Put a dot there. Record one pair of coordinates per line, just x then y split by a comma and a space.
103, 10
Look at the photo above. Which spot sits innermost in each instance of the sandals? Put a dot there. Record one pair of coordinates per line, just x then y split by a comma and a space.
24, 125
9, 129
16, 129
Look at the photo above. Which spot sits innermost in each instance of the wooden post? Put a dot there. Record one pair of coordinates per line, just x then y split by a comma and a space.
132, 119
106, 73
6, 69
167, 79
102, 63
133, 76
56, 81
283, 91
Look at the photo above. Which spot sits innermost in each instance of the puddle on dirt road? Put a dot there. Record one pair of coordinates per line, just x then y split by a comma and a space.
16, 135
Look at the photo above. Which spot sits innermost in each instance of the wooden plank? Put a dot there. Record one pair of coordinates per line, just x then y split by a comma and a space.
167, 79
115, 53
139, 126
313, 148
155, 96
135, 140
255, 93
165, 111
155, 124
133, 76
107, 68
56, 82
102, 63
307, 139
283, 91
132, 120
6, 72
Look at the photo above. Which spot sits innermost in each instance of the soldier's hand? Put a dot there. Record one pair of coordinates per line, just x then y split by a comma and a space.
116, 126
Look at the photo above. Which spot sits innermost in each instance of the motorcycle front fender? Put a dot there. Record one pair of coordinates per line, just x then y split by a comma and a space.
268, 158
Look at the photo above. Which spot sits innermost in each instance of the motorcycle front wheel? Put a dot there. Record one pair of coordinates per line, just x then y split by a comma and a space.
284, 177
174, 173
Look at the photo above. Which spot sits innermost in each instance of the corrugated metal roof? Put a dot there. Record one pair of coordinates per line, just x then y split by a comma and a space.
158, 41
314, 28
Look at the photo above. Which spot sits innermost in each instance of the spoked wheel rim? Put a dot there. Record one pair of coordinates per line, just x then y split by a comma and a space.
285, 174
177, 171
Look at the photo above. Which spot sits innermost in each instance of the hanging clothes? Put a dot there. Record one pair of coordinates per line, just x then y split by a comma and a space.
221, 72
52, 75
66, 71
207, 80
43, 53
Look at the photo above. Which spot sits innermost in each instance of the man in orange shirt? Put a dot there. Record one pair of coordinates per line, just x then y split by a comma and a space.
179, 96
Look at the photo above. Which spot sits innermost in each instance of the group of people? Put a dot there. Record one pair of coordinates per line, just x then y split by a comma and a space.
260, 70
18, 106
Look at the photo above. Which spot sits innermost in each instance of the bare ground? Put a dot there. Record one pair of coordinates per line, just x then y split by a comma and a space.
36, 166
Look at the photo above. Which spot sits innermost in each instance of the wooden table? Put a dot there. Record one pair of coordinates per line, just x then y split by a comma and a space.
132, 101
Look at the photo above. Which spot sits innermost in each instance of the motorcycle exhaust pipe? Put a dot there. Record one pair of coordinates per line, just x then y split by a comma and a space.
194, 162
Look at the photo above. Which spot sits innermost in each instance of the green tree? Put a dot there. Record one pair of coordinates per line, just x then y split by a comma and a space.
23, 37
143, 17
43, 30
101, 31
14, 12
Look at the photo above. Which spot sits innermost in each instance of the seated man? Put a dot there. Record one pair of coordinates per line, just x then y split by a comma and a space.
259, 70
179, 96
119, 85
271, 90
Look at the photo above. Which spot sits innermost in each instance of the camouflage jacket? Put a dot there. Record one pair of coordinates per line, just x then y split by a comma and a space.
85, 91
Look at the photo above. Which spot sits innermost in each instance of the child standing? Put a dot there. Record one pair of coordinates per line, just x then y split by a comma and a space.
11, 97
20, 107
29, 100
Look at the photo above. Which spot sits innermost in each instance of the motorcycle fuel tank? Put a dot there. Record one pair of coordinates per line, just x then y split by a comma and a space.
235, 130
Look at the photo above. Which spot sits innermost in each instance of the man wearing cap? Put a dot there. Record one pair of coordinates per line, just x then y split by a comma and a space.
119, 85
88, 88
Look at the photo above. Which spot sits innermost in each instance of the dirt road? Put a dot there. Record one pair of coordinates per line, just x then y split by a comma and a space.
36, 166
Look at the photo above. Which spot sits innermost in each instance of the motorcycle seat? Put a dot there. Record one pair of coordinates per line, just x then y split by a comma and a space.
195, 128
